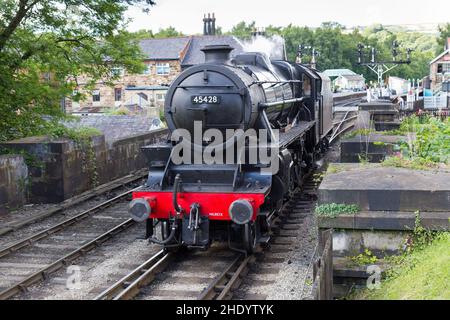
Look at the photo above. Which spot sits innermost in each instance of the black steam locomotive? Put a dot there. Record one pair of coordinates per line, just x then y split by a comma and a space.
211, 180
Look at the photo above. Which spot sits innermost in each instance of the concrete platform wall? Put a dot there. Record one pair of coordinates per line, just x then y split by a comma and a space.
13, 181
64, 168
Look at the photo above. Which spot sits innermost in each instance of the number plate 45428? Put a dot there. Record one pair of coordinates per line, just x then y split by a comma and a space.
209, 99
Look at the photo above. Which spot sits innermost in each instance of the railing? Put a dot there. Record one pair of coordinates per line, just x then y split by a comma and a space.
436, 102
323, 267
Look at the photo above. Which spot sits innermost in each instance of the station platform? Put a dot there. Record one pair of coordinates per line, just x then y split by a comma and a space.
376, 188
372, 147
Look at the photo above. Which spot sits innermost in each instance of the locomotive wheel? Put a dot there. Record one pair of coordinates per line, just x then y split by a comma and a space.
249, 237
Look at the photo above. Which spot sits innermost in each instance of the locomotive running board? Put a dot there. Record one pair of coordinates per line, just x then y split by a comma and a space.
286, 138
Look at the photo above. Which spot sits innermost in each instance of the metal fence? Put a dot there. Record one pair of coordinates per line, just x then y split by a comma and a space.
439, 101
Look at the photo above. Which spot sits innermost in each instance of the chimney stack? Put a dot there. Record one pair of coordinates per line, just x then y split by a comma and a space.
448, 43
205, 28
209, 25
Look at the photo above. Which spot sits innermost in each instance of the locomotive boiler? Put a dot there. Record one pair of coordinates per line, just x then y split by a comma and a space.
243, 133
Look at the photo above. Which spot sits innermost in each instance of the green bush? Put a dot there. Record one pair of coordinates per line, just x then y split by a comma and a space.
430, 146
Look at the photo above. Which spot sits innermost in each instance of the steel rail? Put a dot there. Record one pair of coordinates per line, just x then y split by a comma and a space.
43, 273
72, 202
346, 128
62, 225
222, 286
145, 278
336, 132
117, 289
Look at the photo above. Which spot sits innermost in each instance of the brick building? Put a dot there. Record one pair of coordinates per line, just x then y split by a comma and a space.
440, 71
145, 93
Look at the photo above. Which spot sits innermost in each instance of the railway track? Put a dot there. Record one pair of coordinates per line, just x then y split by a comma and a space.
217, 274
73, 203
31, 260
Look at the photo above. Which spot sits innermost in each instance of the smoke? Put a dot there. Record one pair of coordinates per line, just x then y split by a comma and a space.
272, 46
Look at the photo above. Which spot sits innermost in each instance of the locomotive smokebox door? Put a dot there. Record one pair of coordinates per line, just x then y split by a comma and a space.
193, 236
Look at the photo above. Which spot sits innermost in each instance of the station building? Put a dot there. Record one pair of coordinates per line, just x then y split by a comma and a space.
350, 82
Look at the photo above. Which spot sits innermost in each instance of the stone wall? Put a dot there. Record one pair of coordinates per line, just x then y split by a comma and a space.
13, 182
114, 128
64, 168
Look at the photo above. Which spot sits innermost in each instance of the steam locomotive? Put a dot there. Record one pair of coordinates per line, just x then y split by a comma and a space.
232, 109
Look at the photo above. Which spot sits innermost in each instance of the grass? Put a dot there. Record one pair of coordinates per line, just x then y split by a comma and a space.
413, 163
332, 210
422, 275
357, 132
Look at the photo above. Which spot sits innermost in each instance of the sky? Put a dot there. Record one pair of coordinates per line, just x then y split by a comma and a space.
187, 15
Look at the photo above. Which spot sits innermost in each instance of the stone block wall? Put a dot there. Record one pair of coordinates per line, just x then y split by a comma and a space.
63, 168
13, 182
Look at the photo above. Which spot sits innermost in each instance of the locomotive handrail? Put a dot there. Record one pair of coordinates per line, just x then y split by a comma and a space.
280, 102
275, 82
205, 86
176, 189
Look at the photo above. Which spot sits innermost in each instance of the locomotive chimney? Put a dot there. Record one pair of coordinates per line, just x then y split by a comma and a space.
217, 53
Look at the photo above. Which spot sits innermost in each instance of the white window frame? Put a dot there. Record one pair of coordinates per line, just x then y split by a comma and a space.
162, 68
445, 67
96, 92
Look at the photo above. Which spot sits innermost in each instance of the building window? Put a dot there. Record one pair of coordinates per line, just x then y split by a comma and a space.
96, 95
118, 94
445, 67
117, 72
148, 69
446, 86
160, 97
162, 68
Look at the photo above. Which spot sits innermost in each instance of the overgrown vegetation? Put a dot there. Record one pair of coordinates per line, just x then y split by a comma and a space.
332, 168
421, 272
428, 148
365, 258
333, 210
357, 132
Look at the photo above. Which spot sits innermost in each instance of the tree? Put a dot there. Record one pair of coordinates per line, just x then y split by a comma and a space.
444, 34
169, 32
143, 34
46, 45
243, 30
